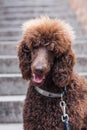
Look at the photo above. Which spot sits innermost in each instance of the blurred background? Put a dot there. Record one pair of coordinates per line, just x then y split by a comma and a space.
12, 14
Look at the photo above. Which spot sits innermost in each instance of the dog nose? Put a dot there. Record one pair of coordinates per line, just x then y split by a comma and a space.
39, 69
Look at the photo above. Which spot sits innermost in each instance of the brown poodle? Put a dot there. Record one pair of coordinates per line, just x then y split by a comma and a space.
47, 59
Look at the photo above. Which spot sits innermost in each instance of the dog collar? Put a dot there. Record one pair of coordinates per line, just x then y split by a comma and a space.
50, 94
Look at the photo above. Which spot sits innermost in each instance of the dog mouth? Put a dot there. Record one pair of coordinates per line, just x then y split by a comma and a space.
38, 78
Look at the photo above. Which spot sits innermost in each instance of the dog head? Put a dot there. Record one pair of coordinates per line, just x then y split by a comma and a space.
46, 49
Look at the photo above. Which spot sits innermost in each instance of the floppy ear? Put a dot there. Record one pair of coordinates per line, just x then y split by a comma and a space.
63, 68
24, 55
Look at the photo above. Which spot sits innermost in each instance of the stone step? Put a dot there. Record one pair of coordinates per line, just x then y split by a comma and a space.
10, 47
11, 109
18, 23
10, 29
81, 65
37, 8
5, 9
15, 126
37, 14
34, 13
80, 47
83, 74
9, 64
10, 34
10, 38
31, 8
19, 3
12, 84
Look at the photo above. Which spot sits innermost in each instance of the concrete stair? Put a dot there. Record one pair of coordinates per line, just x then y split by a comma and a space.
12, 87
12, 84
11, 108
16, 126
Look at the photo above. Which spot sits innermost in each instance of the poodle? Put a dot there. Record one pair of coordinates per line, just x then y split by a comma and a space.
57, 96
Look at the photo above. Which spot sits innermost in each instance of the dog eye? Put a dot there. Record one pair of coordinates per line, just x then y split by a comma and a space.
35, 48
34, 52
26, 49
51, 53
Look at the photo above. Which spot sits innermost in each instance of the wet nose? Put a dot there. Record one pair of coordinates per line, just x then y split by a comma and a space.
39, 69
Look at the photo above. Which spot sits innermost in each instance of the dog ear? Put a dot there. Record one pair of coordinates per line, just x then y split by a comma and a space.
24, 55
63, 68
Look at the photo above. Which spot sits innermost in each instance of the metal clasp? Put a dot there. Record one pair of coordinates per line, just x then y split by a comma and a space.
65, 116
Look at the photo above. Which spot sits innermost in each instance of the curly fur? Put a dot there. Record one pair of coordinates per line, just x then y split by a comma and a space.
41, 113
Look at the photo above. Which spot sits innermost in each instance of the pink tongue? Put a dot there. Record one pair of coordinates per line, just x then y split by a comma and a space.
37, 78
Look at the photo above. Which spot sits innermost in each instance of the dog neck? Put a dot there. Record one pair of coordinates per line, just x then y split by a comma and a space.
49, 89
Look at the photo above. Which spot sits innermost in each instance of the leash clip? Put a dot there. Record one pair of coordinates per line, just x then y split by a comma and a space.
65, 116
